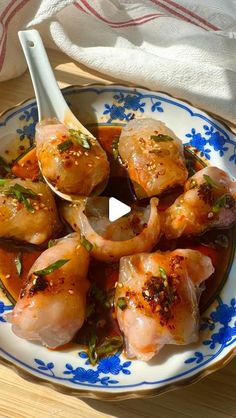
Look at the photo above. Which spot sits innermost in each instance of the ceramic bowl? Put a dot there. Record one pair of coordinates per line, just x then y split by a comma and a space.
115, 377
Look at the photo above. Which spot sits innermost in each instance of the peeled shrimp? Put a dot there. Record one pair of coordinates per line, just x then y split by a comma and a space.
111, 241
51, 308
71, 161
27, 214
207, 202
153, 155
156, 299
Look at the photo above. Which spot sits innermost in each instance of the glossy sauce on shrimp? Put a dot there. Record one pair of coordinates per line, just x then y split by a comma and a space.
156, 299
52, 302
100, 321
71, 161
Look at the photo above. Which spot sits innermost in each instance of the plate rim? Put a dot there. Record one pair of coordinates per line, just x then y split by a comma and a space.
137, 394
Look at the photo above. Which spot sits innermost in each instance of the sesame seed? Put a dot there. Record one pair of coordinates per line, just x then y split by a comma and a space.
210, 215
115, 285
70, 291
8, 276
86, 153
97, 157
166, 309
146, 292
76, 163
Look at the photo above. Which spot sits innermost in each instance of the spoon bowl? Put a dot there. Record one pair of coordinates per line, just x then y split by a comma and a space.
50, 101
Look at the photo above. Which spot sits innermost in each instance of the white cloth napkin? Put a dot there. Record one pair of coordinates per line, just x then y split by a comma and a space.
186, 48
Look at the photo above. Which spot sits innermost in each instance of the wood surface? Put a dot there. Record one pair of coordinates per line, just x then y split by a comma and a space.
212, 397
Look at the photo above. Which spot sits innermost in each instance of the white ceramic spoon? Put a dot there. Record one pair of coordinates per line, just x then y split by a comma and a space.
50, 101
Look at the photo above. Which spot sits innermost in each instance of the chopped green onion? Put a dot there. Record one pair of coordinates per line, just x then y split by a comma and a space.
109, 346
4, 165
27, 204
92, 349
220, 202
98, 294
122, 303
115, 144
22, 195
82, 139
18, 263
163, 273
51, 243
3, 182
51, 268
161, 138
190, 167
64, 146
86, 244
90, 310
193, 184
210, 182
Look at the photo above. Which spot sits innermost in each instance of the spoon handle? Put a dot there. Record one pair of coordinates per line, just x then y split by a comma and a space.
50, 101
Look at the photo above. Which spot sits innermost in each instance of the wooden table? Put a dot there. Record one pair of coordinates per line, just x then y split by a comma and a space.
213, 397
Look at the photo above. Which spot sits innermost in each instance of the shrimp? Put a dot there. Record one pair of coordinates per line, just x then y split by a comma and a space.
156, 300
27, 211
208, 202
71, 161
52, 302
137, 232
153, 155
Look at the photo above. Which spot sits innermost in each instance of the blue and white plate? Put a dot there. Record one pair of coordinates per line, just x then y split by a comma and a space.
115, 377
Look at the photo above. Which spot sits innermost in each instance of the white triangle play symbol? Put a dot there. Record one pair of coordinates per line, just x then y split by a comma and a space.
117, 209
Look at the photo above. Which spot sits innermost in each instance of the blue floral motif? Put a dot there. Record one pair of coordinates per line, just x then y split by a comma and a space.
213, 138
133, 102
156, 106
82, 375
198, 357
199, 142
43, 366
113, 365
28, 130
222, 315
107, 366
4, 308
130, 102
116, 112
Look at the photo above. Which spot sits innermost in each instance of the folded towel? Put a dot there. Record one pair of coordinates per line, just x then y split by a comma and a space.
186, 48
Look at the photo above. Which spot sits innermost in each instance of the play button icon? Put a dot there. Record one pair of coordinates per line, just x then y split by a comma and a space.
117, 209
